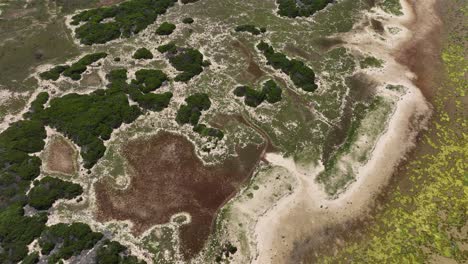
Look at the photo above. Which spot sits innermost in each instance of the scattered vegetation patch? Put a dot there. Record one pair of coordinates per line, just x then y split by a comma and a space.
170, 48
165, 29
252, 29
300, 8
17, 232
18, 167
270, 92
148, 80
142, 53
227, 250
124, 20
54, 73
46, 191
76, 69
110, 252
187, 60
301, 75
89, 119
67, 240
370, 62
190, 113
391, 6
187, 20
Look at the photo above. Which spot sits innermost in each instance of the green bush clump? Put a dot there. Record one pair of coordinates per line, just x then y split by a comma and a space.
45, 192
252, 29
303, 8
76, 69
17, 232
270, 92
190, 113
68, 240
54, 73
111, 252
37, 105
143, 53
150, 101
171, 48
17, 167
189, 61
31, 258
187, 20
149, 80
129, 18
189, 1
88, 119
165, 29
300, 74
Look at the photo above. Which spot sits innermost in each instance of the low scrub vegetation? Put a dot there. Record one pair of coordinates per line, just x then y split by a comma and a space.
270, 92
142, 53
165, 29
300, 74
75, 70
252, 29
303, 8
46, 191
104, 24
191, 112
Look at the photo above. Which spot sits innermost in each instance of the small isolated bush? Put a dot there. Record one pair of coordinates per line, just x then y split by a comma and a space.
142, 53
170, 47
187, 20
54, 73
165, 28
249, 28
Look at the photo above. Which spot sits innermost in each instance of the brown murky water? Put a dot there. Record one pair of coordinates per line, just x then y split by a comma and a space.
168, 178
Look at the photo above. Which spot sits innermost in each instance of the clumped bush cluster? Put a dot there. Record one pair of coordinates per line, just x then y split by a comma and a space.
165, 29
54, 73
191, 112
67, 240
300, 8
128, 18
142, 53
301, 75
270, 92
187, 20
75, 70
110, 252
252, 29
187, 60
46, 191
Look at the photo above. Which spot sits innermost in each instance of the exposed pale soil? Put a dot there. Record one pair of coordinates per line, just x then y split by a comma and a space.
61, 156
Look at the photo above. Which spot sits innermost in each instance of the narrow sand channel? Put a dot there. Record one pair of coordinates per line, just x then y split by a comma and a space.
305, 216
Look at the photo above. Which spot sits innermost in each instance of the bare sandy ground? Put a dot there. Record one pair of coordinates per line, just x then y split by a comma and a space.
303, 220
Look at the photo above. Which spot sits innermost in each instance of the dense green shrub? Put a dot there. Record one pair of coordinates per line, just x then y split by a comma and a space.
129, 18
303, 8
189, 1
54, 73
31, 258
149, 80
88, 119
143, 53
190, 113
45, 192
111, 252
170, 47
270, 92
165, 29
68, 240
189, 61
187, 20
300, 74
76, 69
151, 101
17, 232
252, 29
37, 105
17, 167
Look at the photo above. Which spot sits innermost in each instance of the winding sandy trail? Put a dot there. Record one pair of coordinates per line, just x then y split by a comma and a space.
303, 220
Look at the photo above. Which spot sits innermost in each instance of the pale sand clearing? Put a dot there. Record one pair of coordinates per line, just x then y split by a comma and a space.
304, 216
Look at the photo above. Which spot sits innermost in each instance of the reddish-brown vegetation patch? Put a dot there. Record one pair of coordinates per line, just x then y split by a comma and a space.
60, 156
169, 178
